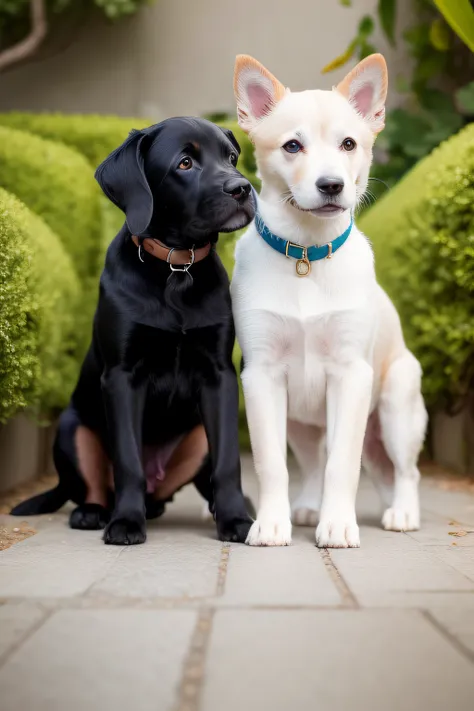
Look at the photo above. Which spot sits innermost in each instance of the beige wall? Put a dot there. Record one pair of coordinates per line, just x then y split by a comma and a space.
177, 56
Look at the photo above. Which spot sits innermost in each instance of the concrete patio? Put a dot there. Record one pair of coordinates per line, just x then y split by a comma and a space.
185, 623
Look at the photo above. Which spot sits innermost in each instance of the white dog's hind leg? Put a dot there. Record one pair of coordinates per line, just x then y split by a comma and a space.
375, 461
348, 403
403, 422
308, 444
266, 406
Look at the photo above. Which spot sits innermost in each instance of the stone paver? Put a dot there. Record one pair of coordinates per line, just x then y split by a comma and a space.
292, 576
335, 660
99, 659
15, 622
186, 623
458, 621
173, 565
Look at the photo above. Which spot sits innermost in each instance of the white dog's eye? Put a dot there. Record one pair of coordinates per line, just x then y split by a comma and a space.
292, 147
233, 158
348, 144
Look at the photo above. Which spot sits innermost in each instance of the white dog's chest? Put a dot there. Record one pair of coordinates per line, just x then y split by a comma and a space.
304, 330
306, 367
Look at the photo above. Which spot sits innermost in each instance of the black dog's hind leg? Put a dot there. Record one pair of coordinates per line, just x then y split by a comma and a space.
85, 454
219, 408
124, 405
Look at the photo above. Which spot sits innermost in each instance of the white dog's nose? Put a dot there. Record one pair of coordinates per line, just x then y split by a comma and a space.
330, 186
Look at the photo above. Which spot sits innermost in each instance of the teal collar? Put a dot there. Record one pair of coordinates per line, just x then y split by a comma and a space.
303, 255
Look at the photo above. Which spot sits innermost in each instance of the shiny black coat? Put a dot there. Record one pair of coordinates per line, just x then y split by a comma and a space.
160, 361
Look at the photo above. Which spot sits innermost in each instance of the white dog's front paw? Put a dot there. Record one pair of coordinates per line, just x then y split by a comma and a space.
406, 518
272, 531
304, 516
337, 533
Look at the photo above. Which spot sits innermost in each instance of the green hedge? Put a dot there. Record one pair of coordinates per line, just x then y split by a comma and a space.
96, 136
39, 299
57, 184
423, 236
93, 136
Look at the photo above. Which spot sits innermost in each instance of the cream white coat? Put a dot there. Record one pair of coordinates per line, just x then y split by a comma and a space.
326, 367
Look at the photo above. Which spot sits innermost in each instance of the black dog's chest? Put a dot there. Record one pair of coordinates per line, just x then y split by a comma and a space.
185, 355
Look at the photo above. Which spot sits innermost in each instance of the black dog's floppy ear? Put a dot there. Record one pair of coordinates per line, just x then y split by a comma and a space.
122, 178
232, 139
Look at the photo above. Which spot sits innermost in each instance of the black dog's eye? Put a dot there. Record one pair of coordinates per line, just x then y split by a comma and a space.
233, 158
293, 147
186, 163
348, 144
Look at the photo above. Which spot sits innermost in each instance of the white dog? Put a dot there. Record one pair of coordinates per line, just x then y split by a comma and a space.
325, 364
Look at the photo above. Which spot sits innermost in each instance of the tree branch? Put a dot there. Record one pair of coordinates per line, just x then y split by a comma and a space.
29, 45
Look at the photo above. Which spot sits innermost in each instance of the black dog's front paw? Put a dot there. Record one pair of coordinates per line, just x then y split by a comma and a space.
123, 531
236, 530
89, 517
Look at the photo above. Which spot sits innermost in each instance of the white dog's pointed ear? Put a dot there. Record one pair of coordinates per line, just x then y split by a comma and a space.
256, 91
365, 87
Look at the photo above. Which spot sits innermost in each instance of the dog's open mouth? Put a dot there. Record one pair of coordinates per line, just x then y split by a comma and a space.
327, 209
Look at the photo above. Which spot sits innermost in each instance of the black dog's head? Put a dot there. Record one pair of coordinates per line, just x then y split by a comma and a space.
177, 181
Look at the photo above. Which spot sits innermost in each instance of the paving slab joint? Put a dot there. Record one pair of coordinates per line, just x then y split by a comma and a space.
192, 679
348, 598
23, 637
453, 641
222, 570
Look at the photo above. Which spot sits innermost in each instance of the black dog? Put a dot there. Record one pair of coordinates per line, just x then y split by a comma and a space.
160, 362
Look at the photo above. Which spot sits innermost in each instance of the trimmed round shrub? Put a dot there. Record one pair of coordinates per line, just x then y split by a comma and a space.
92, 135
19, 363
56, 183
39, 301
423, 236
96, 136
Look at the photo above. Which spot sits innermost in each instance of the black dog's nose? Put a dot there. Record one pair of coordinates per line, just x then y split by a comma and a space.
330, 186
238, 188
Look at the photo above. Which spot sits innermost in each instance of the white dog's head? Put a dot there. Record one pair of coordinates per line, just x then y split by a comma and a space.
313, 148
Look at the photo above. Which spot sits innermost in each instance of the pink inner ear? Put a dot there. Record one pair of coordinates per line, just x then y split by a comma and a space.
363, 98
260, 99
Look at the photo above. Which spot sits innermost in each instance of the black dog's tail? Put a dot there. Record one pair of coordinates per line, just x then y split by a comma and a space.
48, 502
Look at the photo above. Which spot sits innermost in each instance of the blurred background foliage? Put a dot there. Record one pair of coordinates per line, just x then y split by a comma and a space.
438, 93
25, 24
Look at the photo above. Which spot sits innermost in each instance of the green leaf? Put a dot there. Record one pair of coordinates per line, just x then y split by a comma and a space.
341, 59
387, 12
366, 27
465, 99
439, 35
460, 16
345, 3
